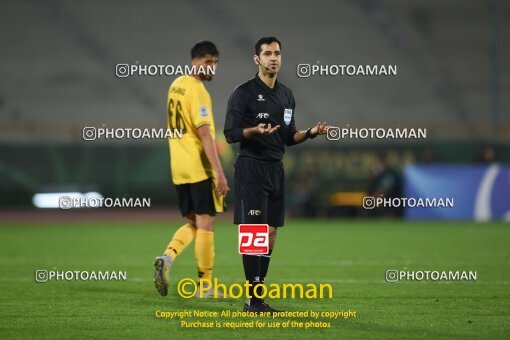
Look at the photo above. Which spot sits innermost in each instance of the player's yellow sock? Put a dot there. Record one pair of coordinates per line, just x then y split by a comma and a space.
181, 239
204, 253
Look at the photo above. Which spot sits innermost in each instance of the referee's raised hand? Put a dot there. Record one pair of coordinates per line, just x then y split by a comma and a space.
320, 129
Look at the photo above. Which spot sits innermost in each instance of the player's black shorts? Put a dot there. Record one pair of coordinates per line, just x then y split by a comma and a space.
196, 197
259, 192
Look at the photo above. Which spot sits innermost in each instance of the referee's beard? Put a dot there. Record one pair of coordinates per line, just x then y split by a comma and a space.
269, 71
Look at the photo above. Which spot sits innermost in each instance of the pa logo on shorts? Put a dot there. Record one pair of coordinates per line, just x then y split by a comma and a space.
287, 116
253, 239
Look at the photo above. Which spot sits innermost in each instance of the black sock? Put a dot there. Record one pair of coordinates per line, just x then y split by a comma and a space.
255, 271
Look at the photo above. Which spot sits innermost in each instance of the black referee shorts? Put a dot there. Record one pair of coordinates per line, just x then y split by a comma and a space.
196, 198
259, 192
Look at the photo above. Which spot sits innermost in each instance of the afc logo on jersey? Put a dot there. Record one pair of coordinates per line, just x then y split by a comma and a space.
254, 212
263, 115
253, 239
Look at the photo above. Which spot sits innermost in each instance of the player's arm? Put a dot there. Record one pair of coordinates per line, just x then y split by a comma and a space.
201, 118
212, 155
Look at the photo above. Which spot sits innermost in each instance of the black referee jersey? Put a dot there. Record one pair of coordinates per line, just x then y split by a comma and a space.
253, 103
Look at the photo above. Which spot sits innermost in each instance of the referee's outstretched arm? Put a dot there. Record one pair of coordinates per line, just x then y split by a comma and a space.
234, 130
320, 129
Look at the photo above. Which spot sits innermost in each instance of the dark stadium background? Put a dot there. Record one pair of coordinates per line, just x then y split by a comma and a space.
58, 76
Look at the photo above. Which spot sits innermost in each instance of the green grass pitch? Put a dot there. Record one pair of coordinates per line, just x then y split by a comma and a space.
351, 255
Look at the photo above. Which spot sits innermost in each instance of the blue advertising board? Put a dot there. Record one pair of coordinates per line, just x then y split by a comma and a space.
479, 192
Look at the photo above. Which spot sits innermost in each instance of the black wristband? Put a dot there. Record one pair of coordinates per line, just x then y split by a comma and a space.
309, 134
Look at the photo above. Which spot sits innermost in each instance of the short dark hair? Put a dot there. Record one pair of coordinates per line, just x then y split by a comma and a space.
265, 40
203, 48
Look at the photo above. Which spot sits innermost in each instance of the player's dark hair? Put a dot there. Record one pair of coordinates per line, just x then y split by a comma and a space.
203, 48
265, 40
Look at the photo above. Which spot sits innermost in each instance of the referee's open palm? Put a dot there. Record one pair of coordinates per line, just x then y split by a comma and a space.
267, 130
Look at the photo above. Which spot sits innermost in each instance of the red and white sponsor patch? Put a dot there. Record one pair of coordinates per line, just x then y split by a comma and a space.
253, 239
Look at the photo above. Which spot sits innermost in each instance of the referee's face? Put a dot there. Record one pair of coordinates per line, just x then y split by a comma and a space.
269, 59
205, 65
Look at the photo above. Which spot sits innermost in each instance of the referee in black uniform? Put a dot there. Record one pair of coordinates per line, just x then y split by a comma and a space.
260, 116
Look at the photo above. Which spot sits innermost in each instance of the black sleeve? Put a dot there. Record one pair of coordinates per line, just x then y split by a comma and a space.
291, 130
233, 130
